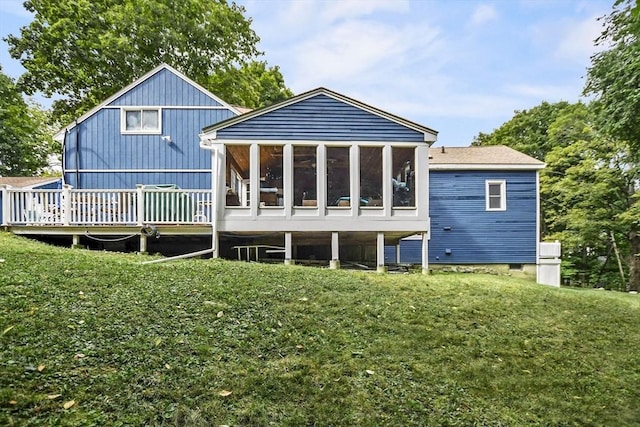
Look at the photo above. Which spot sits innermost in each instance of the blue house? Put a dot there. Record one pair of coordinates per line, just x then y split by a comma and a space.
484, 208
318, 176
147, 133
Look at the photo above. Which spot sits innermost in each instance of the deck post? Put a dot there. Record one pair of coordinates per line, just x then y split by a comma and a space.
75, 242
380, 267
288, 252
334, 264
143, 244
140, 208
66, 204
215, 244
425, 253
6, 205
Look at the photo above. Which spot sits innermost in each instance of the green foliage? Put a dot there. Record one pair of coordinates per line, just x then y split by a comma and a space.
527, 131
210, 342
86, 50
252, 86
25, 137
614, 75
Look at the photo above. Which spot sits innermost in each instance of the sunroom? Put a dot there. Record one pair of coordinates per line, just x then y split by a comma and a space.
319, 176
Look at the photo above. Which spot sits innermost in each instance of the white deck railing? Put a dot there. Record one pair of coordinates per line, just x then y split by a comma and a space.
69, 206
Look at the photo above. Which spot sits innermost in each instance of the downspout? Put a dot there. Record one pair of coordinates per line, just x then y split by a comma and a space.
77, 156
64, 156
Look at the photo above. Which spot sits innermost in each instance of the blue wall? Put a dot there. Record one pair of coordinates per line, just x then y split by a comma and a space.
103, 147
320, 118
457, 200
475, 236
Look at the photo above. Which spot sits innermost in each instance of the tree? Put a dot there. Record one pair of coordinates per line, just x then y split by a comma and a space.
614, 75
527, 131
588, 190
252, 86
599, 193
25, 138
86, 50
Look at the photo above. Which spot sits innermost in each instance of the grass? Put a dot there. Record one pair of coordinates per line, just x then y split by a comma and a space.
93, 338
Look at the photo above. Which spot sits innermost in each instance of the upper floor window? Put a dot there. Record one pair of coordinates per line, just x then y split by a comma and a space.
141, 120
496, 195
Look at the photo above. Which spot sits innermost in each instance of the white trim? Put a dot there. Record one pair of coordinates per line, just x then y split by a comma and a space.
487, 166
137, 82
503, 194
135, 170
141, 131
168, 107
538, 236
210, 138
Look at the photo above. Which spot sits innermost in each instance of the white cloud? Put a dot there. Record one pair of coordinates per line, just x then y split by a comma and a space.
483, 14
333, 11
543, 92
576, 43
358, 51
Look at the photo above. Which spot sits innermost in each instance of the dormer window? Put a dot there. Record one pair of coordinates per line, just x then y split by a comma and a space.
141, 121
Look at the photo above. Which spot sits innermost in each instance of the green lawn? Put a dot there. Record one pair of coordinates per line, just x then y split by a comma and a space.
94, 338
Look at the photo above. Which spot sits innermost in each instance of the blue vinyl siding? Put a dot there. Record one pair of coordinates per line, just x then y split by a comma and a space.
128, 180
165, 88
320, 118
102, 146
457, 202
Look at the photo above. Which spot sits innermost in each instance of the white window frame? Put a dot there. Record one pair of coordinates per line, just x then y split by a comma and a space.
503, 194
123, 121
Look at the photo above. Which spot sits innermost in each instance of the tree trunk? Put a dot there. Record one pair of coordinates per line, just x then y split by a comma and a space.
634, 262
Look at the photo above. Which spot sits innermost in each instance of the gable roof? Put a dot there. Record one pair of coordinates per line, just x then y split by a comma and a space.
28, 181
60, 134
481, 158
429, 134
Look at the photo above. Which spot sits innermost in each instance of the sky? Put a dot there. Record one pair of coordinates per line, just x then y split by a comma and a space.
460, 67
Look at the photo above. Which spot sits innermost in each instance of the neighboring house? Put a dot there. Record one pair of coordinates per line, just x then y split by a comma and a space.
318, 176
147, 133
29, 183
484, 208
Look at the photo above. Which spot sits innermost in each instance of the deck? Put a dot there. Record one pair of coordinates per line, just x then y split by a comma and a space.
146, 211
114, 208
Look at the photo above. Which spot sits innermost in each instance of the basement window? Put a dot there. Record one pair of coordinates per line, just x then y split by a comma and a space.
496, 195
140, 120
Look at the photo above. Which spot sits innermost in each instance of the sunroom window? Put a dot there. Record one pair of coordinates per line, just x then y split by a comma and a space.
142, 120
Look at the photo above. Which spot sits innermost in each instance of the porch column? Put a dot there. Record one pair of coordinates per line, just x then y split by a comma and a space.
6, 207
288, 252
380, 268
425, 253
254, 179
218, 194
398, 252
334, 264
